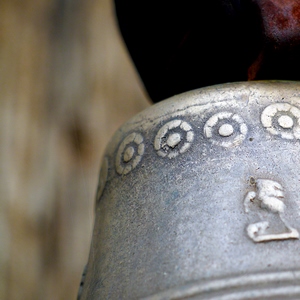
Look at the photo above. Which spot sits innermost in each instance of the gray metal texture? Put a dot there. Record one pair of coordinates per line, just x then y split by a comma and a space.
199, 198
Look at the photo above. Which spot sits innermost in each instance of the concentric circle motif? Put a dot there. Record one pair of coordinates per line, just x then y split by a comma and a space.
102, 179
225, 129
129, 153
282, 119
173, 138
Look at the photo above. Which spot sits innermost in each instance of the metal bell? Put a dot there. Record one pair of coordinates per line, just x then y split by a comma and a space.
199, 198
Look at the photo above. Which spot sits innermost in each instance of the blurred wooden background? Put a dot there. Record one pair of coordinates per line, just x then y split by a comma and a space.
66, 85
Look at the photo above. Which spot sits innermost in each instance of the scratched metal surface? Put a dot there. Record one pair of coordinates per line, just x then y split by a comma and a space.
198, 198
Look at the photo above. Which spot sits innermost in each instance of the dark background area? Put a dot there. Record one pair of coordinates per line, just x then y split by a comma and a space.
184, 45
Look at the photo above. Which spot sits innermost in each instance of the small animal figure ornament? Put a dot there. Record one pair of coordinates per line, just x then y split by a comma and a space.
268, 203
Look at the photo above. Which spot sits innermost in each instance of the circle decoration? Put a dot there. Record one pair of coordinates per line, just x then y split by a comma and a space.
282, 119
102, 179
130, 153
173, 138
225, 129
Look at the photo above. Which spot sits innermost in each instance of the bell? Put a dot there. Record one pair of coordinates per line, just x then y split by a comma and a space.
198, 198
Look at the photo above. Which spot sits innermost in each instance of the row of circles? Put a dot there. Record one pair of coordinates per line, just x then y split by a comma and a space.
226, 129
176, 136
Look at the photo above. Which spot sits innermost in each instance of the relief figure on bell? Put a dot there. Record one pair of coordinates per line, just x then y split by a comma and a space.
268, 204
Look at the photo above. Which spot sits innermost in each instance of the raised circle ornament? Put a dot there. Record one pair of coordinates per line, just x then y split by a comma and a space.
226, 129
130, 153
173, 138
282, 119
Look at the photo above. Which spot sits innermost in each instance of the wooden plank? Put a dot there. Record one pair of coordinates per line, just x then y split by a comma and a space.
66, 85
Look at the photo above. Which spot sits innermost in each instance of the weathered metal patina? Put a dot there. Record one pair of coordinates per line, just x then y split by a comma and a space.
199, 198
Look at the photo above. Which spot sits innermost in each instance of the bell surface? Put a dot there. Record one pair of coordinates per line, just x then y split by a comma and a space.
199, 198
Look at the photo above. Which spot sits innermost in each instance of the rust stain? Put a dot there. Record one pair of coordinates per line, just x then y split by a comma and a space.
281, 20
256, 66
